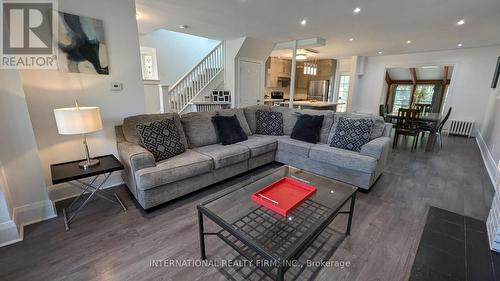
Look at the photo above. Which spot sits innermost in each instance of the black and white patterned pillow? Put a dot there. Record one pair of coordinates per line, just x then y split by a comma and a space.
269, 123
161, 138
352, 134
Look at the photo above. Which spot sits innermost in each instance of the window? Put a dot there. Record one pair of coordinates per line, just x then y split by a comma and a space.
402, 97
148, 63
344, 81
424, 94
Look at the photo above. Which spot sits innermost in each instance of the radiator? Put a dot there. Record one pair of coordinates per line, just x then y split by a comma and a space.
461, 128
203, 107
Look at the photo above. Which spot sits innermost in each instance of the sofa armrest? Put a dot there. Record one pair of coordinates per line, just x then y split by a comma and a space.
387, 130
135, 156
376, 148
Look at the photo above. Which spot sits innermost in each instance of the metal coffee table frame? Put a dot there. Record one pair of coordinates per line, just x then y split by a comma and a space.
282, 264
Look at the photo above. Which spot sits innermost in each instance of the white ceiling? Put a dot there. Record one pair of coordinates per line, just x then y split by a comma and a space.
423, 73
382, 25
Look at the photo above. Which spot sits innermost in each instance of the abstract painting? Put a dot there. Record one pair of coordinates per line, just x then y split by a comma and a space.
82, 46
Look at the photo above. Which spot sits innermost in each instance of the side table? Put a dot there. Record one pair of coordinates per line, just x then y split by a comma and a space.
71, 173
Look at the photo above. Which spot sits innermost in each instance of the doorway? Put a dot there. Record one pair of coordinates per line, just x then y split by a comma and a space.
250, 83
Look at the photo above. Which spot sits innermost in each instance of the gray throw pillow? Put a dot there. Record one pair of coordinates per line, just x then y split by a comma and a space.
352, 134
269, 123
161, 138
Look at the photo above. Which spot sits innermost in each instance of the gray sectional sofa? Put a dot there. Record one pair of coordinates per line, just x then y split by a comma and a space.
206, 161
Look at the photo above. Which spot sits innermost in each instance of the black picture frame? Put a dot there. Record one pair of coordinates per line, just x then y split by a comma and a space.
496, 75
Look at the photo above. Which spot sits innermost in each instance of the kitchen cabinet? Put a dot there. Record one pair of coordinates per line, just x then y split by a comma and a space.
277, 68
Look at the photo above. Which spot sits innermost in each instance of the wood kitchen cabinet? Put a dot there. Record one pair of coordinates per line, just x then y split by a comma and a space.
275, 68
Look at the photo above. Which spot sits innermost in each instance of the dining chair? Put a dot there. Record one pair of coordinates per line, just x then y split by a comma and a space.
407, 125
424, 127
423, 108
382, 112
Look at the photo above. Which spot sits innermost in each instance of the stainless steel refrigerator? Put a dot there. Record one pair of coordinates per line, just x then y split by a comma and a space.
318, 90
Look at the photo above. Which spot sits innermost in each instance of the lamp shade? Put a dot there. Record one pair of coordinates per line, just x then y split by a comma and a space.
78, 120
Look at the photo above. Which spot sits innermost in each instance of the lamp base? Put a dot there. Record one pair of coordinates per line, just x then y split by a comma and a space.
88, 163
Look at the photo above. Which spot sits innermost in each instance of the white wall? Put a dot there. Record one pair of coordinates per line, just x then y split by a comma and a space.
23, 189
47, 90
489, 143
231, 49
176, 53
470, 86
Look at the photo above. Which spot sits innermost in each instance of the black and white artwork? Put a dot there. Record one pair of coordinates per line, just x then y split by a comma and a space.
82, 46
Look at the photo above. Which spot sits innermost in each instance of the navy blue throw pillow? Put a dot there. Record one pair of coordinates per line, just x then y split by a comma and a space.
308, 128
229, 129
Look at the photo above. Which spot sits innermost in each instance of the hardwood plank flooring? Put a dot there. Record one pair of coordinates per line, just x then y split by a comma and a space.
105, 243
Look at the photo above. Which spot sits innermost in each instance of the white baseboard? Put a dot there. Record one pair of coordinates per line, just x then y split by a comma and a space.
64, 191
34, 212
9, 233
489, 162
13, 231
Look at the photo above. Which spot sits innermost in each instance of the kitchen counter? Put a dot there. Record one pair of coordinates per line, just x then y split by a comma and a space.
319, 105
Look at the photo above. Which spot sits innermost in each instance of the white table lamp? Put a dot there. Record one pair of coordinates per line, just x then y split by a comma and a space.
79, 121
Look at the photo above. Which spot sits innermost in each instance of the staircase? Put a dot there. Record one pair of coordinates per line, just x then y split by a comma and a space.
184, 91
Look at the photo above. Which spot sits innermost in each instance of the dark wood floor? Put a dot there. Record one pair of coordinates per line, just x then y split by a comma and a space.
107, 244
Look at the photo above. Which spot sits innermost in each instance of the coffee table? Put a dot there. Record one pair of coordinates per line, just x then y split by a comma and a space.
273, 242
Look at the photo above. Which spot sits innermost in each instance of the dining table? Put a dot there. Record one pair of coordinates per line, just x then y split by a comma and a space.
431, 120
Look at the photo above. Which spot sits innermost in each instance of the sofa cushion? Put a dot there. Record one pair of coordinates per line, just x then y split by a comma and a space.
352, 134
269, 123
250, 115
182, 166
343, 158
307, 128
377, 128
199, 128
259, 145
161, 138
327, 122
290, 116
229, 129
240, 114
225, 155
130, 123
296, 147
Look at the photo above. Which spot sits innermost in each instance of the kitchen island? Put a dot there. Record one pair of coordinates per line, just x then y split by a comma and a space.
318, 105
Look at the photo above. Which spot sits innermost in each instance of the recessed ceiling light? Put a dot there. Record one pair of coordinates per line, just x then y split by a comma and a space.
460, 22
459, 45
351, 39
303, 22
183, 26
137, 16
300, 57
380, 52
356, 10
408, 42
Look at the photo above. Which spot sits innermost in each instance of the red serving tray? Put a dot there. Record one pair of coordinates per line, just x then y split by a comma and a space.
283, 195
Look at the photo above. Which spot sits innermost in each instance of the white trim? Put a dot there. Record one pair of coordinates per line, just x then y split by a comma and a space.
34, 212
9, 233
29, 214
488, 159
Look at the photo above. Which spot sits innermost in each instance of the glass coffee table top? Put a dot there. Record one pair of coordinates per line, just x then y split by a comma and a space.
280, 237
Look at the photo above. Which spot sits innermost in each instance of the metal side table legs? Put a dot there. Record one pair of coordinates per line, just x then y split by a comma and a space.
76, 206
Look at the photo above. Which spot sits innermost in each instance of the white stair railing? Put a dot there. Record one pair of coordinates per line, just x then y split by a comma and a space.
196, 79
